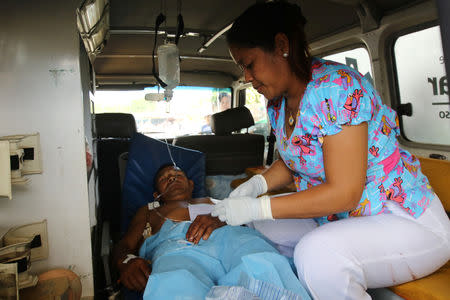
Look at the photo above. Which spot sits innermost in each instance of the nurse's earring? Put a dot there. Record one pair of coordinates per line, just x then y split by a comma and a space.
285, 54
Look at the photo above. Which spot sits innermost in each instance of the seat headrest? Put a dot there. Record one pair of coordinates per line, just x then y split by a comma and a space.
118, 125
230, 120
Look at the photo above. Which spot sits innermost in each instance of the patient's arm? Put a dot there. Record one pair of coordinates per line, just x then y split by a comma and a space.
203, 224
202, 227
134, 273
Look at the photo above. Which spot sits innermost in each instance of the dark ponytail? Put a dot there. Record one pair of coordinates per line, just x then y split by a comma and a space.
258, 25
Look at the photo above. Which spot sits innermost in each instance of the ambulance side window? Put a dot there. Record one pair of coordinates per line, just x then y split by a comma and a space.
422, 81
357, 58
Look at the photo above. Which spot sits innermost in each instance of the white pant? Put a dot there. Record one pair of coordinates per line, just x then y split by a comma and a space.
341, 259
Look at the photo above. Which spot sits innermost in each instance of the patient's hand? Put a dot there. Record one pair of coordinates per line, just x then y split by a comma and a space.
202, 227
134, 274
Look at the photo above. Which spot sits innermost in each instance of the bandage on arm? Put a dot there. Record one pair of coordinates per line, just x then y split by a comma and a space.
242, 210
199, 209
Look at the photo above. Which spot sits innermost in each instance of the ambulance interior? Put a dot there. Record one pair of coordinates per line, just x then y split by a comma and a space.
77, 83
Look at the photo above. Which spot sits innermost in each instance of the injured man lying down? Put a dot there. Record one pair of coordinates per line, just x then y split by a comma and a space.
169, 256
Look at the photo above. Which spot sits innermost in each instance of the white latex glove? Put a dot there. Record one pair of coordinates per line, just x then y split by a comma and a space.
242, 210
253, 187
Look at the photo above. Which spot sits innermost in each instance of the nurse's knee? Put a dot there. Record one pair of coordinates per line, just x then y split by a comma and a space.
317, 254
308, 253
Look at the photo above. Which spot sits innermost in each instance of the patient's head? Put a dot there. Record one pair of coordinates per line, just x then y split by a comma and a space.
172, 184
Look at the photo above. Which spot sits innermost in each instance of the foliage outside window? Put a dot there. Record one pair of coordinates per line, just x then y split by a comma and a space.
256, 103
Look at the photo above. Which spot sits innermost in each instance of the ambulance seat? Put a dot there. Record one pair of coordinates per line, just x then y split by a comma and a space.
227, 152
113, 133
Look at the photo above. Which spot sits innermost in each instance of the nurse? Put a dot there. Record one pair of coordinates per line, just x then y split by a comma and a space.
376, 220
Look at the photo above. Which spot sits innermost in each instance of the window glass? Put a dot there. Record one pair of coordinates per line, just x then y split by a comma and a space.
357, 59
256, 103
187, 113
423, 83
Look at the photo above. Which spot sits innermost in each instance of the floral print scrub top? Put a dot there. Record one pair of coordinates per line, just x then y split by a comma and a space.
338, 95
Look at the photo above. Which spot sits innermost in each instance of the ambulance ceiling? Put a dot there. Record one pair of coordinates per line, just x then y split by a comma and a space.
126, 57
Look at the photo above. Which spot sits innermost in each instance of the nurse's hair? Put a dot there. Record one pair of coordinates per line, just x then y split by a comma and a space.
257, 26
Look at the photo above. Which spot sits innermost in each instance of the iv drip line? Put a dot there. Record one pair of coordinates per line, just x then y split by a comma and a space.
171, 157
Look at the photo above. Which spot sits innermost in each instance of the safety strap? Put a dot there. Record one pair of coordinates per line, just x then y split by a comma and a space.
159, 20
271, 139
180, 30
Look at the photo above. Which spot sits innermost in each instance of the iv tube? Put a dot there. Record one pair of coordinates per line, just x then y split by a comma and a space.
171, 157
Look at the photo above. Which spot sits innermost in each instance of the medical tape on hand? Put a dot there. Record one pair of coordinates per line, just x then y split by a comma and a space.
266, 208
128, 258
215, 201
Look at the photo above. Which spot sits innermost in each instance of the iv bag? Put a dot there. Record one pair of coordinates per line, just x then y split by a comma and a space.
169, 65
